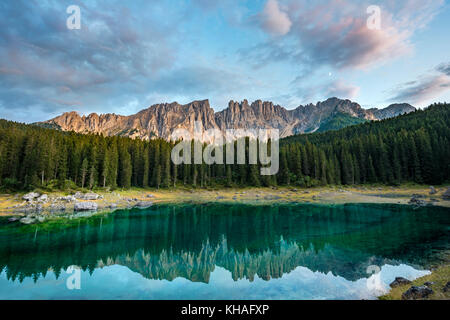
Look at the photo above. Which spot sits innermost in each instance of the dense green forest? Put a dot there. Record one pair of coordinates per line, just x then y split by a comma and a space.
409, 148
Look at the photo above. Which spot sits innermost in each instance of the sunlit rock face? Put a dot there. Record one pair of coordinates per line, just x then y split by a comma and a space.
161, 120
392, 111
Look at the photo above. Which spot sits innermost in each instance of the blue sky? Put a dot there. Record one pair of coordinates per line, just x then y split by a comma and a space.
129, 55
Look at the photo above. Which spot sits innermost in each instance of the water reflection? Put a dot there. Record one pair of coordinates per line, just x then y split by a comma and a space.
249, 242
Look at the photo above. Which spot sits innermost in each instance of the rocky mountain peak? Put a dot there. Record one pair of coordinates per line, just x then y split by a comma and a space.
160, 120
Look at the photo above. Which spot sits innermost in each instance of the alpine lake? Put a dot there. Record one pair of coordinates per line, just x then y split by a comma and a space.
223, 251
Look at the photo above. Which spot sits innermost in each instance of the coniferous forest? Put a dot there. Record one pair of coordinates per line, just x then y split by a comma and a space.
409, 148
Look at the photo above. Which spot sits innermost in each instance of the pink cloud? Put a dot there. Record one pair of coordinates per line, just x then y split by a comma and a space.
340, 89
423, 91
274, 20
335, 33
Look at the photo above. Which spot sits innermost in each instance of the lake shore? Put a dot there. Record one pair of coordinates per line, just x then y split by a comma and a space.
438, 281
54, 202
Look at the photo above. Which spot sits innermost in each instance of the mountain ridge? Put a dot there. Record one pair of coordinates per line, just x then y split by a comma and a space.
160, 120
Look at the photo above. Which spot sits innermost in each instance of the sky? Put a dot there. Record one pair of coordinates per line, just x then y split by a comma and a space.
129, 55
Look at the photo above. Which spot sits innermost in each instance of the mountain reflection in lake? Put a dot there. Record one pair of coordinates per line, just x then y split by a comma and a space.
223, 251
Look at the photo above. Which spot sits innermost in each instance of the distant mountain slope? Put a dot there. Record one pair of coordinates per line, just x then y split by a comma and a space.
339, 121
392, 111
161, 120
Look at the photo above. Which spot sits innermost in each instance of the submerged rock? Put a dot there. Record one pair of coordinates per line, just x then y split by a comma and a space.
399, 281
415, 293
144, 204
85, 206
57, 207
28, 220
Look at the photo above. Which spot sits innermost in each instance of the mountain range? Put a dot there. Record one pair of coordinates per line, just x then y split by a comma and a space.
160, 120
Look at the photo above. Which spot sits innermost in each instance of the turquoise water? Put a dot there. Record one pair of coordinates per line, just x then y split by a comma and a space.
223, 251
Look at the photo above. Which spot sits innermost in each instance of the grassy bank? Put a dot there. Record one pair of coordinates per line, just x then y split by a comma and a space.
338, 195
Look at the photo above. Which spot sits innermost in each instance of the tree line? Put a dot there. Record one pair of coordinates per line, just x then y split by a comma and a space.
409, 148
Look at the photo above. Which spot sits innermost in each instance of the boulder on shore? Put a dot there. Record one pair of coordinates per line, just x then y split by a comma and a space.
43, 198
399, 281
29, 208
30, 196
87, 196
272, 197
446, 287
432, 190
446, 194
415, 293
85, 206
415, 200
67, 199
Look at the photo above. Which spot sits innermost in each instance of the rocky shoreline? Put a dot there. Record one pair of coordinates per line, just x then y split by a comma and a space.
435, 286
36, 207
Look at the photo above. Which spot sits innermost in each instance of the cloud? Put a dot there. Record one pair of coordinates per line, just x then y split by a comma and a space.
199, 79
335, 33
123, 57
340, 89
127, 55
426, 89
111, 58
444, 68
273, 19
334, 88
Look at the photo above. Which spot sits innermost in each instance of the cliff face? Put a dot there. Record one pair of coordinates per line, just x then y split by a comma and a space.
161, 120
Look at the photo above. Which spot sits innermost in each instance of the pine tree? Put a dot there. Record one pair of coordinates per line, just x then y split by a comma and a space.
158, 176
62, 169
229, 176
84, 171
146, 168
125, 168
